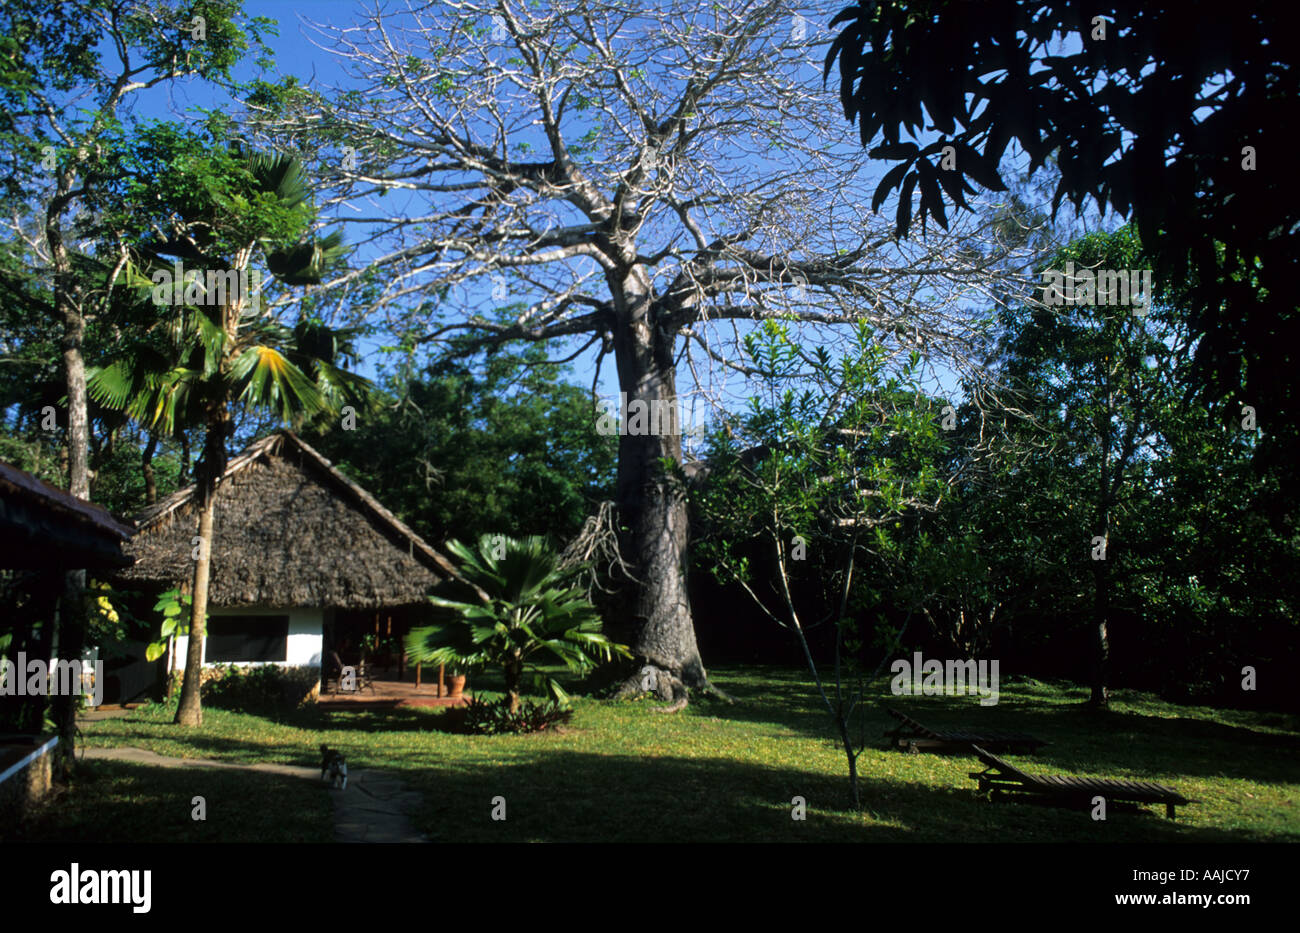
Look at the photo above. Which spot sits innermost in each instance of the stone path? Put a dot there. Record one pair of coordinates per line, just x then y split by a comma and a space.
373, 808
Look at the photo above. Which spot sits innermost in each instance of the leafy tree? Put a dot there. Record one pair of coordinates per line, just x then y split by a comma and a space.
580, 173
462, 448
524, 611
67, 72
1108, 501
819, 475
1107, 374
219, 207
1175, 114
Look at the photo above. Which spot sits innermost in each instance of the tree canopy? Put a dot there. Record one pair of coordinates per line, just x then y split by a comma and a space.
1177, 115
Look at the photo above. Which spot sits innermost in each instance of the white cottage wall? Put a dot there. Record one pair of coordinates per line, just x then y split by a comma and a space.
305, 642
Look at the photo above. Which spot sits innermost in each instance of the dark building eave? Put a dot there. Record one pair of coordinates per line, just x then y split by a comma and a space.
44, 528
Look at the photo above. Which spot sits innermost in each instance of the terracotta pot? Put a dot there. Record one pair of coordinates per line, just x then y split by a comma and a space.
456, 685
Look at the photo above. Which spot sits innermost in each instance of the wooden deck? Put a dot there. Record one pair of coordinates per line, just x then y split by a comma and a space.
390, 694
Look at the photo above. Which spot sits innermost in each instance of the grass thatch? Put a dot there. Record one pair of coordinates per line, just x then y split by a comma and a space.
289, 530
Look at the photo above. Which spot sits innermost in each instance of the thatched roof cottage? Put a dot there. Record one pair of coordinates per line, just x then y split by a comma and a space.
298, 550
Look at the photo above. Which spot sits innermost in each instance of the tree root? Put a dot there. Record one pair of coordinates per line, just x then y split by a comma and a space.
666, 686
674, 708
716, 692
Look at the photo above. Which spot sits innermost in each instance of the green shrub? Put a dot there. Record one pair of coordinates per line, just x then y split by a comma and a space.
523, 610
258, 688
482, 718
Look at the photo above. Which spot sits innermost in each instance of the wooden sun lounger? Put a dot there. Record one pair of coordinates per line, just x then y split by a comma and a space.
1001, 777
915, 737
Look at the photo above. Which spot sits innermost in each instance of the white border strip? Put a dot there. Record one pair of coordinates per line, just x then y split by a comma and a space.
14, 769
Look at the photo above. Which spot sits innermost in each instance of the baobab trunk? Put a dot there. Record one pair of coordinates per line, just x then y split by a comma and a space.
652, 504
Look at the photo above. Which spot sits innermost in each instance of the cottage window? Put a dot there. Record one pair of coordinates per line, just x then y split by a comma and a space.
247, 638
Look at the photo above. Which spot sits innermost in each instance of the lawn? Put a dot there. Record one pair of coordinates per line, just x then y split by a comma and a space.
113, 801
717, 772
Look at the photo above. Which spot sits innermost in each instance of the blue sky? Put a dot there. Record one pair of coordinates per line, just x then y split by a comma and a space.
295, 54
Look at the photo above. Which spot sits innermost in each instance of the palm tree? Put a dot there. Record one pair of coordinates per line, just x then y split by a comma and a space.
525, 610
187, 369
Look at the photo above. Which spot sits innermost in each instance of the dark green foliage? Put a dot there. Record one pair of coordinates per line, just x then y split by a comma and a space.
1152, 120
459, 450
264, 689
1098, 436
495, 718
1196, 582
515, 610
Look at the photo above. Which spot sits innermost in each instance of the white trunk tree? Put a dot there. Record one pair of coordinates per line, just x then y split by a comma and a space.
648, 181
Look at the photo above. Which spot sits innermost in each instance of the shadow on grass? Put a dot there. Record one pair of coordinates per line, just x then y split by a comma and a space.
116, 801
1079, 738
575, 797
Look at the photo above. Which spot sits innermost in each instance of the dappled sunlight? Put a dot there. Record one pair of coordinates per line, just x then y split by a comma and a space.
734, 772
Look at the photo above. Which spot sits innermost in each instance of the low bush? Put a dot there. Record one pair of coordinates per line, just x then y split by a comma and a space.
257, 688
482, 718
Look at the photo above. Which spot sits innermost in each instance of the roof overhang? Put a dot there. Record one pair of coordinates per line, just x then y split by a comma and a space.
45, 528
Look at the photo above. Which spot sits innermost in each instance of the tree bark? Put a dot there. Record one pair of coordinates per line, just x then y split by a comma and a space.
1100, 697
189, 712
72, 642
514, 675
1101, 610
72, 615
146, 467
652, 500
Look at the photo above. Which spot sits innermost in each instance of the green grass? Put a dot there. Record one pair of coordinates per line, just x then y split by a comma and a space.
718, 772
113, 801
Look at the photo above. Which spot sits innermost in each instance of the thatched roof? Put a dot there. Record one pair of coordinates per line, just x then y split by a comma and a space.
288, 530
43, 527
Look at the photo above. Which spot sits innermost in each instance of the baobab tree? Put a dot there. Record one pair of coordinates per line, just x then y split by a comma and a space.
640, 184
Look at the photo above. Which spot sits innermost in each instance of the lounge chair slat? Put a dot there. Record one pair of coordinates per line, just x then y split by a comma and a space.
1068, 788
957, 739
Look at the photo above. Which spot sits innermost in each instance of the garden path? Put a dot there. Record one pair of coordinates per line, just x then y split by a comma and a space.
373, 808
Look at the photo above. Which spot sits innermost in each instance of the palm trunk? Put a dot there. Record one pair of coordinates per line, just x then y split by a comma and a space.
190, 712
514, 675
210, 469
146, 467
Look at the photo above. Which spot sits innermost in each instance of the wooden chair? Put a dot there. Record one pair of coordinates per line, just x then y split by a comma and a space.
914, 737
361, 670
334, 675
364, 680
999, 778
